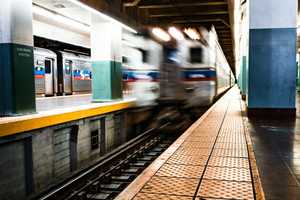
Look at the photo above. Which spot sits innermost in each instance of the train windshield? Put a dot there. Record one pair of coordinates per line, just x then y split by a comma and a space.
196, 55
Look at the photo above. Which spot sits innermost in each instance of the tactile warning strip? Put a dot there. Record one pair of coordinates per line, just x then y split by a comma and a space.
230, 153
232, 139
226, 189
193, 151
147, 196
201, 139
226, 173
187, 160
229, 162
171, 186
198, 144
230, 145
204, 198
184, 171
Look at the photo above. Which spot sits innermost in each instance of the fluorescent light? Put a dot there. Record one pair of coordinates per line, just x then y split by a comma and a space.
106, 17
60, 18
175, 33
192, 33
161, 34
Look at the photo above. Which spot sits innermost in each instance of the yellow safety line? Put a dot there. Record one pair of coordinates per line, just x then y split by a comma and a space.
38, 121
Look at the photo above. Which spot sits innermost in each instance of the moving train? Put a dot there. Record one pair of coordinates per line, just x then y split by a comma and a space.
141, 60
194, 72
190, 72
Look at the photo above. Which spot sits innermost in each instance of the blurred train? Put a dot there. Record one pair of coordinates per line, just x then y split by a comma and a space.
189, 72
194, 72
141, 60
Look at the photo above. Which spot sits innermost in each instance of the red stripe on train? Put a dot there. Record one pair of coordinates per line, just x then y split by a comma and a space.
39, 76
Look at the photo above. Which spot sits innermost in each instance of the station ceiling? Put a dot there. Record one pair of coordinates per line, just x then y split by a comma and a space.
163, 13
188, 13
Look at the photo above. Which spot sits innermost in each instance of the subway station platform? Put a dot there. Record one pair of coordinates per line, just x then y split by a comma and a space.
62, 102
213, 159
57, 110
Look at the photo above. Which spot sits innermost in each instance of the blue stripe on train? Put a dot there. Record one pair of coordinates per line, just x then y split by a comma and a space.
138, 75
198, 73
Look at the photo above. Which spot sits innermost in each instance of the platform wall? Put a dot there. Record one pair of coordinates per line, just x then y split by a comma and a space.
31, 162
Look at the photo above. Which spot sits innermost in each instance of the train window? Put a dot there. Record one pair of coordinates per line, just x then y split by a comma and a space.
144, 55
196, 55
125, 60
48, 66
68, 67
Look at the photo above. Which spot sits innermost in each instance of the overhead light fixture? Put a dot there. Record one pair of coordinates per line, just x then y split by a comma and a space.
175, 33
103, 16
60, 19
192, 33
161, 34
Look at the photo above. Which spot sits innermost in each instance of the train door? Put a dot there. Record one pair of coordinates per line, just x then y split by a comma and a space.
39, 76
68, 65
49, 77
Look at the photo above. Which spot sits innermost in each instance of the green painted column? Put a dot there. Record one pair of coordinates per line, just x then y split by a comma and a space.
16, 58
244, 75
106, 38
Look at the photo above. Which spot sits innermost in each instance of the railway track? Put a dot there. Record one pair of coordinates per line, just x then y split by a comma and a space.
116, 170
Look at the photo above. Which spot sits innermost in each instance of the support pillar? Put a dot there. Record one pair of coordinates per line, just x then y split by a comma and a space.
106, 38
272, 58
16, 58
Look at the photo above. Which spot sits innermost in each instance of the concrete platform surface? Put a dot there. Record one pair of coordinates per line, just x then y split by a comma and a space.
56, 110
276, 144
209, 161
61, 102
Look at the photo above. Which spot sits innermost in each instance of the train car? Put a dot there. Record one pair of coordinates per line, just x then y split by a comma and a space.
140, 69
45, 72
61, 73
74, 73
193, 72
198, 73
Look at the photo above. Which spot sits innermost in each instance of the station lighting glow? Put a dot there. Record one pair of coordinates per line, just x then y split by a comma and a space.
161, 34
106, 17
175, 33
60, 19
192, 33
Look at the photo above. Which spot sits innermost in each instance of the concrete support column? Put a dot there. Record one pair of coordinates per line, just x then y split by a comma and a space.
106, 38
17, 94
272, 57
